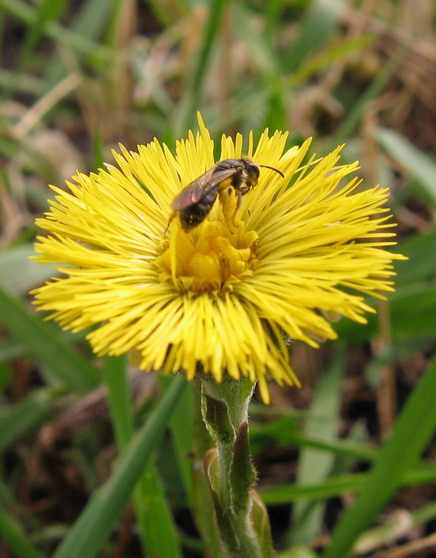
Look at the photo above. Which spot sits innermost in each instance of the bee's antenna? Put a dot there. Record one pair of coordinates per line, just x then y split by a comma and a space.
272, 168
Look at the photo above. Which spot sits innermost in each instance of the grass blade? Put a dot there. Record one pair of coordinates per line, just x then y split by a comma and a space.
315, 465
421, 265
27, 14
120, 404
19, 274
45, 344
350, 123
90, 531
182, 432
337, 486
154, 516
409, 438
15, 538
190, 103
46, 12
410, 312
27, 415
156, 526
419, 165
322, 19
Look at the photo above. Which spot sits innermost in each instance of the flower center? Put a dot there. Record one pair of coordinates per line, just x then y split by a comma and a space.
209, 258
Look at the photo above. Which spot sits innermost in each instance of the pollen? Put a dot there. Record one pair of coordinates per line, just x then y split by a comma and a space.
211, 258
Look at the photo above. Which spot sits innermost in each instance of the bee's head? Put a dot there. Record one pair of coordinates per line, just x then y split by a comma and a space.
250, 169
249, 175
246, 173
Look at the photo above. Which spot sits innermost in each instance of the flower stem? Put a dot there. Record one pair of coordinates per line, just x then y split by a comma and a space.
241, 519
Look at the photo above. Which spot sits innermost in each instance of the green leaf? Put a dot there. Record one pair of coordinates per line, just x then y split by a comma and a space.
156, 525
25, 416
412, 311
88, 534
421, 264
167, 14
216, 416
46, 12
337, 486
182, 431
203, 499
263, 50
419, 165
120, 404
328, 488
98, 149
19, 274
408, 440
46, 345
322, 19
13, 535
242, 474
154, 516
264, 53
314, 465
339, 447
93, 17
297, 551
10, 349
376, 86
12, 80
261, 526
197, 71
327, 56
28, 14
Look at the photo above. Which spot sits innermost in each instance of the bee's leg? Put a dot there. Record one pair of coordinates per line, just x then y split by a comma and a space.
172, 216
230, 201
235, 218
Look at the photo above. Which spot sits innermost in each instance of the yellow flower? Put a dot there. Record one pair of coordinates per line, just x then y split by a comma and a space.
225, 297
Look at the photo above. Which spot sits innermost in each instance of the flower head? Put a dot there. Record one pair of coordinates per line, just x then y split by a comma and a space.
222, 297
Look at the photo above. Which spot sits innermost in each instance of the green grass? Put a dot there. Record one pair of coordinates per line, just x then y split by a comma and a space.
78, 79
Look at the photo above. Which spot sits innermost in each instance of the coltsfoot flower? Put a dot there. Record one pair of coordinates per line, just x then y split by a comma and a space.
221, 298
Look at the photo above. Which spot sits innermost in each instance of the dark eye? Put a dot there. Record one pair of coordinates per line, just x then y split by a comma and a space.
252, 169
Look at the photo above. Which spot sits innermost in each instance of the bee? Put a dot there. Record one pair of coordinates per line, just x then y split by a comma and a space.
195, 201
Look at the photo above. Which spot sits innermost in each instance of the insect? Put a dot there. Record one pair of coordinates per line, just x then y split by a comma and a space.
196, 200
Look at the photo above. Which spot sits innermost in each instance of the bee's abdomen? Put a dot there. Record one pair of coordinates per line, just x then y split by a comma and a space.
196, 213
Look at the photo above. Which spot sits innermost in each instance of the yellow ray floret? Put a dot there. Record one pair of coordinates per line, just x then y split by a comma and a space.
223, 297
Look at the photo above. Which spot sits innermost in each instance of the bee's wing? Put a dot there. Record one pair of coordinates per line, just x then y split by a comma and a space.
200, 187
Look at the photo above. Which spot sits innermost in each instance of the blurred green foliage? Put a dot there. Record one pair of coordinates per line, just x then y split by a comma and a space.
76, 78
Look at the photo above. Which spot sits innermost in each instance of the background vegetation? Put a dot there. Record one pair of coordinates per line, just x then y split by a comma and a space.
346, 463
